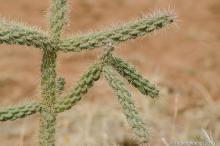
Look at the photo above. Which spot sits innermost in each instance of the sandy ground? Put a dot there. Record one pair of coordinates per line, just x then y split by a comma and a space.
183, 60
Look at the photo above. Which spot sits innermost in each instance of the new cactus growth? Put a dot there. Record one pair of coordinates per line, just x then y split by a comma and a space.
51, 87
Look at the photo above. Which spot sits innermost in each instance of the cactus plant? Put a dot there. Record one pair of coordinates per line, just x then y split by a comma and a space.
51, 87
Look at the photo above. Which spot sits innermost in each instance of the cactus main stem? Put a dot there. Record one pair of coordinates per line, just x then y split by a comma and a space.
48, 85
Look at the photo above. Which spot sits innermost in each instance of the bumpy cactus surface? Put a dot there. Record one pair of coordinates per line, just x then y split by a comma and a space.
51, 86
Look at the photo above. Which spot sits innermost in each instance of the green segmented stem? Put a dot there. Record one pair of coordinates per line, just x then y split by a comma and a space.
86, 81
130, 73
48, 87
57, 17
48, 77
17, 34
116, 35
13, 113
127, 103
11, 33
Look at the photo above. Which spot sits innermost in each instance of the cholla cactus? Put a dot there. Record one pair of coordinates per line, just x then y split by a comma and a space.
50, 43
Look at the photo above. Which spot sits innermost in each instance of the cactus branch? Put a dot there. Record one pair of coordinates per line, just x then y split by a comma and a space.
127, 104
116, 35
17, 34
57, 17
86, 81
130, 73
11, 33
48, 77
48, 87
13, 113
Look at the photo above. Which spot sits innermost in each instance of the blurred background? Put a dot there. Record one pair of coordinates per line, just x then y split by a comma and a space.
182, 60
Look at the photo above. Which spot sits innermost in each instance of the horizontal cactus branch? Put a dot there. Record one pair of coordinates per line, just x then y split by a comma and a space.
130, 73
127, 104
116, 35
11, 33
13, 113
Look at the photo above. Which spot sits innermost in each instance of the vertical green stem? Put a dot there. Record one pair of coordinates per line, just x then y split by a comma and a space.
48, 71
48, 85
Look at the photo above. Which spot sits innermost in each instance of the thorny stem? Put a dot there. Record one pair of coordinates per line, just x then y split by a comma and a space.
48, 75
